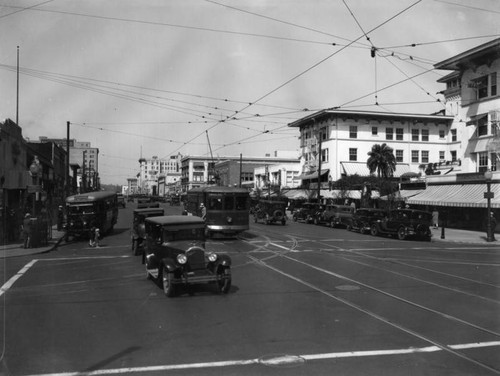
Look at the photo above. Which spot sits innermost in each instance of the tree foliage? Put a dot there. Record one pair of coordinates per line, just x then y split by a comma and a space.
382, 160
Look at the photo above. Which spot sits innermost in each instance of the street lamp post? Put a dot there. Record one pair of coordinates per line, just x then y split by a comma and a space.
488, 195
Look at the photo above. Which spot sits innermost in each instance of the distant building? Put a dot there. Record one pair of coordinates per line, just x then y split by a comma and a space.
151, 169
83, 155
232, 171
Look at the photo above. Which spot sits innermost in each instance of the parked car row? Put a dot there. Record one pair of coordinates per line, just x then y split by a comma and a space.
331, 215
402, 223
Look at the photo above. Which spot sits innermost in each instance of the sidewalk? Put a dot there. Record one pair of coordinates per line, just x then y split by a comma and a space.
16, 250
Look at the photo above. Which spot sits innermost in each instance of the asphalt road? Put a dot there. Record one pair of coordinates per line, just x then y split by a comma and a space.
305, 300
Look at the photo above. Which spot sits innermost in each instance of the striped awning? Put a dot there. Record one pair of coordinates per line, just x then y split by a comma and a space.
402, 195
361, 169
458, 195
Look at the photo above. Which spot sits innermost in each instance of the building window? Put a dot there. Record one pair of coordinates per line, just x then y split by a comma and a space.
483, 162
441, 133
482, 126
481, 86
353, 154
425, 156
425, 135
324, 155
453, 155
399, 134
415, 134
414, 156
399, 156
453, 135
353, 131
441, 155
389, 133
493, 84
374, 131
494, 157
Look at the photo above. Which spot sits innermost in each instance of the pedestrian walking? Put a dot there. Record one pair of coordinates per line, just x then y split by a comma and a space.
60, 218
435, 218
203, 211
94, 237
493, 223
27, 231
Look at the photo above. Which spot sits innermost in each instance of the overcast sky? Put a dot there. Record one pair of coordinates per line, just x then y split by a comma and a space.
161, 77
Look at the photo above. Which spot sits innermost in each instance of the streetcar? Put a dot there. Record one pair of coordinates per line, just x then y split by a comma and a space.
93, 209
227, 209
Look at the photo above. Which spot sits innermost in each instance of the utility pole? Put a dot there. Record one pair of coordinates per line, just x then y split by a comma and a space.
67, 160
17, 95
320, 136
241, 166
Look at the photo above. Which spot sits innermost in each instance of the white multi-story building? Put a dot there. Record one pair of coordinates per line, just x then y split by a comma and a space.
472, 96
345, 138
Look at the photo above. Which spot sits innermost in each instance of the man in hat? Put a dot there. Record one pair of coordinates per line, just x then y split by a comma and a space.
27, 230
203, 211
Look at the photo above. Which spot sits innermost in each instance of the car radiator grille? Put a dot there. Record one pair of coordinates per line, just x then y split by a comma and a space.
196, 258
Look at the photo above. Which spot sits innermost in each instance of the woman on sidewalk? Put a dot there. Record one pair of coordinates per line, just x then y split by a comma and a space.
27, 230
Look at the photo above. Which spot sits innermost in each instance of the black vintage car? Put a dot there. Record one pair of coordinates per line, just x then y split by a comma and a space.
175, 255
270, 211
363, 219
138, 227
404, 223
307, 212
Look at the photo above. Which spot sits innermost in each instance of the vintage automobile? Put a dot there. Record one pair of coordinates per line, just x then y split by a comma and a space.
270, 211
335, 215
307, 212
138, 227
363, 219
404, 223
175, 255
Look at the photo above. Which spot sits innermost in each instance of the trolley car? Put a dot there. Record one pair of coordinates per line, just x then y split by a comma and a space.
227, 209
92, 209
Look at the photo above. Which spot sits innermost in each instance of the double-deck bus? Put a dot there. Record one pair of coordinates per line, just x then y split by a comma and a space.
227, 209
93, 209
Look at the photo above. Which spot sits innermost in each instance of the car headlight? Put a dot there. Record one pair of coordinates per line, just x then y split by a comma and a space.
181, 258
212, 257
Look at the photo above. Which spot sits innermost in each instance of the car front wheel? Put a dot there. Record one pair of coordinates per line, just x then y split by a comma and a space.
168, 286
374, 230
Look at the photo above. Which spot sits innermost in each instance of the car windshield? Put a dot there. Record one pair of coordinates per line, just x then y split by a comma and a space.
193, 233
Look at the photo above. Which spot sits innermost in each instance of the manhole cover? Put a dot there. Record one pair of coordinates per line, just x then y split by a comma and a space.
282, 360
347, 287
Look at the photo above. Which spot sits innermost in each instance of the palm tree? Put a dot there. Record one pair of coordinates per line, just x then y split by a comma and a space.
381, 159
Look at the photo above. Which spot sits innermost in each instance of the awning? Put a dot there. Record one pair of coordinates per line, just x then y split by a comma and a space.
296, 194
361, 169
457, 195
402, 195
351, 194
314, 175
473, 120
479, 145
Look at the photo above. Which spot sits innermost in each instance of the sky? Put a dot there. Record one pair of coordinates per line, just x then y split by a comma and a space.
144, 78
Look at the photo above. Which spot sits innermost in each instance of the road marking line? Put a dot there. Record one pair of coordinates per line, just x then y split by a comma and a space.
242, 362
7, 285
